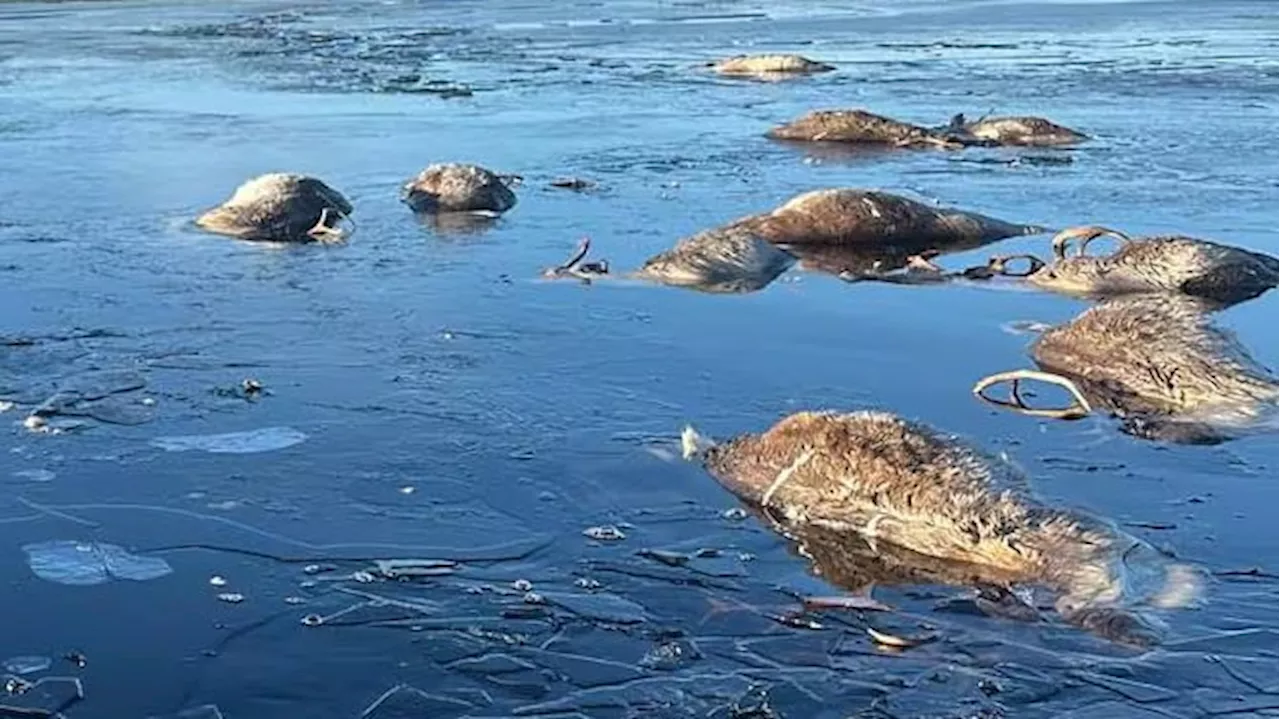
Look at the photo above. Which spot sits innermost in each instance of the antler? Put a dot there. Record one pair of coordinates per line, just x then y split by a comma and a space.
575, 267
1079, 409
1085, 234
584, 246
322, 231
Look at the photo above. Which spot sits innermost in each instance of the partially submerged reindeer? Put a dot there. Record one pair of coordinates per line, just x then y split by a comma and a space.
1170, 263
458, 188
1219, 274
861, 127
875, 477
876, 221
280, 207
871, 235
748, 253
727, 260
1007, 131
1155, 362
769, 67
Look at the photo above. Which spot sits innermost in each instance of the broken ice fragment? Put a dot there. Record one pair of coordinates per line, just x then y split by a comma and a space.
601, 607
26, 664
87, 563
606, 533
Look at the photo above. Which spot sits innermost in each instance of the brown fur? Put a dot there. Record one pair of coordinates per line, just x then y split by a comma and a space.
1158, 363
720, 260
1034, 131
877, 476
1187, 265
276, 207
877, 221
457, 188
768, 65
857, 126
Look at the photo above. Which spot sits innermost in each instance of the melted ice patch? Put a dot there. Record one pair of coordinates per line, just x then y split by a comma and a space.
65, 561
255, 440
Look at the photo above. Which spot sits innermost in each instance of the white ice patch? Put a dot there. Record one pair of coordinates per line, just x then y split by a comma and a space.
33, 475
65, 561
255, 440
1024, 327
26, 664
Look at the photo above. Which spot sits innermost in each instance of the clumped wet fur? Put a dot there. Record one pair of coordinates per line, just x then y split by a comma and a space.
456, 187
1190, 266
1159, 364
853, 217
279, 207
878, 477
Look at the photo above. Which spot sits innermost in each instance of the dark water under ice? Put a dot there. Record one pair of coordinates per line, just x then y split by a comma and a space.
428, 397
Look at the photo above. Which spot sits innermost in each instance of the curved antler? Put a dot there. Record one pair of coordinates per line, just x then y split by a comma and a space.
1079, 409
584, 246
322, 231
575, 267
1085, 234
